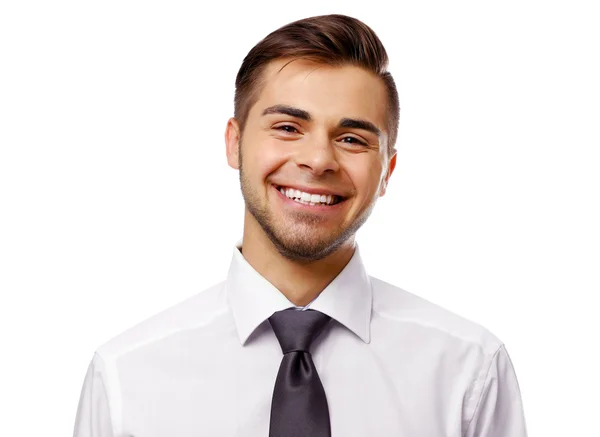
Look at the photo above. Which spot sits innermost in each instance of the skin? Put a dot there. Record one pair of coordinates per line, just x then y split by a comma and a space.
298, 248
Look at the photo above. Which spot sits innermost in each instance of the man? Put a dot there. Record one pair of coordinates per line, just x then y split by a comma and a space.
299, 340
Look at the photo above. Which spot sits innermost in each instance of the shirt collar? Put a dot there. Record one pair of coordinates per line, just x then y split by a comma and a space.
253, 299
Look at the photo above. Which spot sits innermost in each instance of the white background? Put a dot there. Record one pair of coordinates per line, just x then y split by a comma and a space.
116, 200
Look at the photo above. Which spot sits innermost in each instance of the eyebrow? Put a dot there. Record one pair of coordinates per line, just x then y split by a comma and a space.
288, 110
360, 124
352, 123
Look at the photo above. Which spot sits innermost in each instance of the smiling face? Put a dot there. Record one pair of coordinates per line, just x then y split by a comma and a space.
313, 156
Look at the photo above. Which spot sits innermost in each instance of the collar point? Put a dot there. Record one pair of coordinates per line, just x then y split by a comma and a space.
366, 338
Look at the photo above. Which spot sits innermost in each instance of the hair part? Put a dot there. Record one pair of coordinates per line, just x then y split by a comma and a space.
334, 40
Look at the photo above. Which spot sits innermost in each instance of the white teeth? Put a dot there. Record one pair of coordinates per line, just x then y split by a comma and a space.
307, 198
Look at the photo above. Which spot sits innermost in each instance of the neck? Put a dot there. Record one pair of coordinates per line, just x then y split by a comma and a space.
300, 282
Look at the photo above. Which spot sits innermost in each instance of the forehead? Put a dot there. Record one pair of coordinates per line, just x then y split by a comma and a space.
324, 91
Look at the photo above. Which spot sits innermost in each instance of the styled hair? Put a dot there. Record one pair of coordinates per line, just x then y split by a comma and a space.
334, 40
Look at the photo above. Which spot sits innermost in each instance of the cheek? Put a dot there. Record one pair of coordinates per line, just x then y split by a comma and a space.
365, 176
265, 156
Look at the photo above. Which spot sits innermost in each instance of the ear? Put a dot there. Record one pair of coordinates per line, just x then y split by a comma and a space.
232, 141
390, 170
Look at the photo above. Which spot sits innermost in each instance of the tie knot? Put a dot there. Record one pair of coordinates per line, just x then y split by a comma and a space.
296, 330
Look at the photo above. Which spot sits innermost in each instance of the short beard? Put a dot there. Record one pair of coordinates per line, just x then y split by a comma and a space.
301, 250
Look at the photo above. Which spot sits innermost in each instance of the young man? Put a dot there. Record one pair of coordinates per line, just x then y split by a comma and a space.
299, 340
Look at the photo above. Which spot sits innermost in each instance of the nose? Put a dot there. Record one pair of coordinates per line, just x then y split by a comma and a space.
317, 155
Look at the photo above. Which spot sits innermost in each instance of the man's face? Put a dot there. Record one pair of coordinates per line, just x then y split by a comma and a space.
313, 155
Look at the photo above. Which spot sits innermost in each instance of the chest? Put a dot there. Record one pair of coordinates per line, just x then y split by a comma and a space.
369, 393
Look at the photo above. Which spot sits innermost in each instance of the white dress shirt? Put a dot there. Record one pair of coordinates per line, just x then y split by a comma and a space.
391, 363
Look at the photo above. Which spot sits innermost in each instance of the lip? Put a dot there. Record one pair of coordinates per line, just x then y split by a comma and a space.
321, 209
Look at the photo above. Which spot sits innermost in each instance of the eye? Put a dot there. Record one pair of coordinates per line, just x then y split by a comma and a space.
287, 128
353, 140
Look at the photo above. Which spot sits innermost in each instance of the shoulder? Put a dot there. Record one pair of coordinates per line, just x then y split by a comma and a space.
195, 311
404, 310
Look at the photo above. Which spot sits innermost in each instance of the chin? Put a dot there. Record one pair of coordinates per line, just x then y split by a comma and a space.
306, 249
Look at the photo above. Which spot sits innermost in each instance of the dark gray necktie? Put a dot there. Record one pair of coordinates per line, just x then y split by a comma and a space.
299, 406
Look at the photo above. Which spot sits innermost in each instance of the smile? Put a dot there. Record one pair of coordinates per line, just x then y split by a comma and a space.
312, 199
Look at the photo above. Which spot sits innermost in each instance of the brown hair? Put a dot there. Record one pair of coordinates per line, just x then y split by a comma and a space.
327, 39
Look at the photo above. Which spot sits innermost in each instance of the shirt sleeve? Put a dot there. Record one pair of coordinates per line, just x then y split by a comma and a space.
93, 413
499, 412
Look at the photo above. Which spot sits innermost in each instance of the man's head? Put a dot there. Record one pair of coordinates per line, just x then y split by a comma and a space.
315, 112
